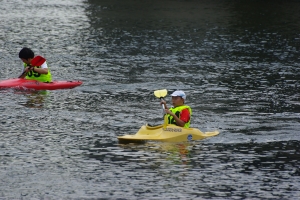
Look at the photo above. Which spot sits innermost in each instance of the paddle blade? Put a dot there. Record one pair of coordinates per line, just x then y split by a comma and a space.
37, 61
160, 93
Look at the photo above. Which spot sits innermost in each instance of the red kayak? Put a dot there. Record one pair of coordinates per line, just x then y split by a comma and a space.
23, 84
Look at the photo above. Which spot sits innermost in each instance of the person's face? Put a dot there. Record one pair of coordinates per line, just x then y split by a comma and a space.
177, 101
27, 61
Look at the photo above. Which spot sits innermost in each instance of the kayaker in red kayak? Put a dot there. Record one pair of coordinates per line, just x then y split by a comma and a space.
179, 114
39, 73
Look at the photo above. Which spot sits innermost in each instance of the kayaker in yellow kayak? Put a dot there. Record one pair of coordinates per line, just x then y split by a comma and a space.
39, 73
180, 114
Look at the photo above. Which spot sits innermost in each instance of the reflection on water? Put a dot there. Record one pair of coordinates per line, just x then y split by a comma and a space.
177, 153
35, 99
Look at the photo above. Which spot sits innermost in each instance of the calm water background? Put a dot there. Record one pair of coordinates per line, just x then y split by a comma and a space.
237, 61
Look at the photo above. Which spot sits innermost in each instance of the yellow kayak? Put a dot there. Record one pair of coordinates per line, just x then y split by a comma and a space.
166, 133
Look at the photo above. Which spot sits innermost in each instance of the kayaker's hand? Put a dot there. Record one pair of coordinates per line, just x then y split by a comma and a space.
27, 69
163, 103
169, 112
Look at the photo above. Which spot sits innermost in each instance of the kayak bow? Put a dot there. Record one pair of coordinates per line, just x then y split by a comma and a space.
170, 133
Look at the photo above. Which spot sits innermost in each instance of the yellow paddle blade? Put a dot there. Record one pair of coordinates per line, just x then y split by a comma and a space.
160, 93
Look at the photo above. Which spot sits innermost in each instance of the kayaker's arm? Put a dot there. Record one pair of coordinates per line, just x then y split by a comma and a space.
179, 122
26, 70
35, 69
41, 70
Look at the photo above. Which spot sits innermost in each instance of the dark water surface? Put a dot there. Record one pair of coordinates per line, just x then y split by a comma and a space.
237, 61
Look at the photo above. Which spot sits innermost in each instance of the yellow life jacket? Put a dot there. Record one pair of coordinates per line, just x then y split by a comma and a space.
177, 111
38, 77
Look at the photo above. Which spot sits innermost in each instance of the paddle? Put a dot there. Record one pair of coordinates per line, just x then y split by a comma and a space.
161, 94
36, 61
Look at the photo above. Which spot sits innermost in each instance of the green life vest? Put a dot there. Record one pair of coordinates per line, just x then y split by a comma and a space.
177, 111
38, 77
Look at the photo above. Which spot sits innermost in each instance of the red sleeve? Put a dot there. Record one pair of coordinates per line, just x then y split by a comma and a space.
185, 115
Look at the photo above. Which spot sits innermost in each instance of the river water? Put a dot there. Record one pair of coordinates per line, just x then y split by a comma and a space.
237, 61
